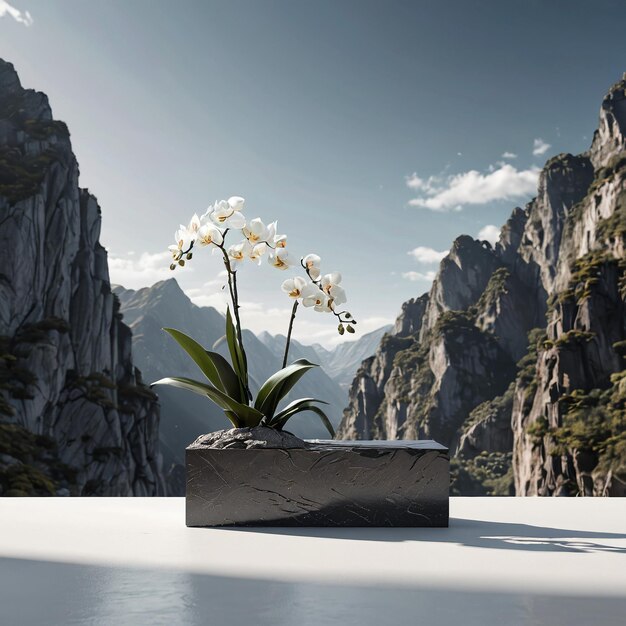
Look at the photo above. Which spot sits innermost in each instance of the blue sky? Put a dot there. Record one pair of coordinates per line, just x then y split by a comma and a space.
368, 129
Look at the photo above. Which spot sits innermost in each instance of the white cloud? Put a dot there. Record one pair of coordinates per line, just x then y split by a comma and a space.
423, 254
473, 187
428, 185
202, 297
23, 17
419, 276
490, 232
213, 293
136, 272
509, 155
540, 147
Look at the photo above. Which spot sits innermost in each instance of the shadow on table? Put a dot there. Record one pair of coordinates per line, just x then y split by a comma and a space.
36, 592
475, 533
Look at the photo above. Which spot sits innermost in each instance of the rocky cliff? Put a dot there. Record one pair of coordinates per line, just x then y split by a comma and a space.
75, 416
515, 358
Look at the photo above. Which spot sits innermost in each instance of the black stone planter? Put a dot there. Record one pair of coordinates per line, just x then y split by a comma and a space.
328, 483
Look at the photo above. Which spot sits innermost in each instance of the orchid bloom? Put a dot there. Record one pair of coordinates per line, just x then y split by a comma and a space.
311, 264
271, 232
184, 239
320, 292
194, 226
313, 296
238, 252
330, 285
226, 213
280, 241
255, 231
256, 252
208, 234
280, 259
293, 287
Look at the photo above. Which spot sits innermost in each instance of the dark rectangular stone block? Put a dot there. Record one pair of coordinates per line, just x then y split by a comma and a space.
330, 483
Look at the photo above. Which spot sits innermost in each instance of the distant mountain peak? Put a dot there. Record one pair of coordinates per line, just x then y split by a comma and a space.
9, 79
169, 288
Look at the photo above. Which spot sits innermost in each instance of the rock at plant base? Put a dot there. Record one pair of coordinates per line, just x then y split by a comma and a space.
246, 438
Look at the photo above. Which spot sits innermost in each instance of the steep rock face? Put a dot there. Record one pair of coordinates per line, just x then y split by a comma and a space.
58, 318
435, 364
409, 322
461, 280
367, 391
569, 417
549, 297
609, 140
488, 428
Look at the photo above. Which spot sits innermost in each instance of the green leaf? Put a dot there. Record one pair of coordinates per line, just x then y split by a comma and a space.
298, 406
247, 415
213, 365
230, 381
294, 405
277, 386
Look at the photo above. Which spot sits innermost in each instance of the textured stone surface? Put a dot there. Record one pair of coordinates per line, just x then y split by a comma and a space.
246, 438
330, 483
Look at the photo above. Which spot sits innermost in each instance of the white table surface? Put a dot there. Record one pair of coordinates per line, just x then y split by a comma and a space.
503, 561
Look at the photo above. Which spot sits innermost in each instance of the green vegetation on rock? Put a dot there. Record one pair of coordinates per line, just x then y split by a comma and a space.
488, 474
22, 174
496, 287
29, 465
595, 422
489, 409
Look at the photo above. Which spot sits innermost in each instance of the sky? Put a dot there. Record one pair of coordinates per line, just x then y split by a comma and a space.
374, 132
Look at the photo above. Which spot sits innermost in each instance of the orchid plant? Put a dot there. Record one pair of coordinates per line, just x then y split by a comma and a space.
228, 383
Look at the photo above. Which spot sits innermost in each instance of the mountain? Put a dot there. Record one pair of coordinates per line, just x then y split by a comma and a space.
342, 362
75, 417
515, 358
184, 416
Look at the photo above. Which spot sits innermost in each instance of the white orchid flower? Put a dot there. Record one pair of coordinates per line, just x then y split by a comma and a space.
280, 241
208, 234
313, 296
238, 252
236, 203
255, 231
194, 225
280, 259
312, 264
329, 280
294, 286
330, 284
271, 232
338, 295
224, 215
256, 252
183, 238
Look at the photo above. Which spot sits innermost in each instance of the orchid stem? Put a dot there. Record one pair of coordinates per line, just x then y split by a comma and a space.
291, 321
234, 296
